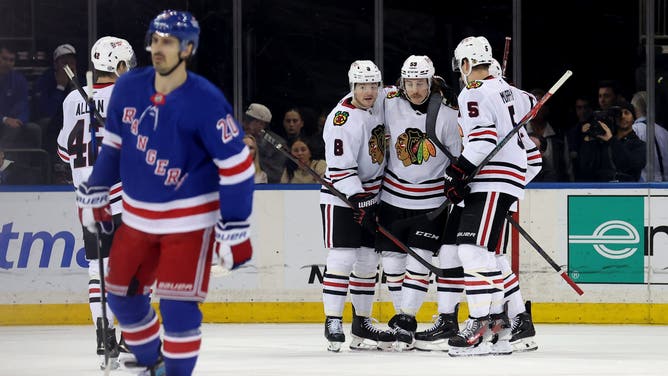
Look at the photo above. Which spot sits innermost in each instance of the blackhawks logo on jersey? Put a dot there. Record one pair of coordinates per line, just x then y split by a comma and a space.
414, 147
340, 117
474, 84
377, 144
393, 94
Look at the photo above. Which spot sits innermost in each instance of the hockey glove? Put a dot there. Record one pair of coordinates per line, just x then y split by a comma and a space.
94, 209
456, 190
460, 169
233, 244
364, 210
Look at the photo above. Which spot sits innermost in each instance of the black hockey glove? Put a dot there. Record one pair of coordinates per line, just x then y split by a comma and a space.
456, 188
364, 210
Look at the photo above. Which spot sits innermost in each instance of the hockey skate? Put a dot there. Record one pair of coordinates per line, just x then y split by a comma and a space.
367, 337
472, 340
334, 333
436, 337
158, 369
523, 331
404, 327
107, 338
500, 327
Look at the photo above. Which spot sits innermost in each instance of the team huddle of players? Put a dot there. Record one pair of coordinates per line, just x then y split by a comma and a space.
402, 154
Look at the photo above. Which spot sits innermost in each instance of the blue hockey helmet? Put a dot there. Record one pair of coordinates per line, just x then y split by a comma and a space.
176, 23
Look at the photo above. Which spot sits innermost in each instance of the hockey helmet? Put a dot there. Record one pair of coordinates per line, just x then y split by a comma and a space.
495, 69
363, 71
418, 67
476, 50
107, 52
179, 24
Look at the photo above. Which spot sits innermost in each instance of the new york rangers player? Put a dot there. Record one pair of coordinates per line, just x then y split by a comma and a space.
354, 136
111, 58
187, 187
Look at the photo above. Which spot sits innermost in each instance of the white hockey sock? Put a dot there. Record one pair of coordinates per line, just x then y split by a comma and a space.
394, 267
416, 283
511, 287
363, 281
483, 279
336, 279
449, 290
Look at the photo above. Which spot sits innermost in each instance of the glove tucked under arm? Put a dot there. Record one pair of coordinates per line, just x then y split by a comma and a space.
233, 244
94, 209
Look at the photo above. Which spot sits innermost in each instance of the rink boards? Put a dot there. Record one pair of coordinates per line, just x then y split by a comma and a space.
611, 239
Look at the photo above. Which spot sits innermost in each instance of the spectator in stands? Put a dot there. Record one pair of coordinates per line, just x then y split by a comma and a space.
50, 91
583, 112
556, 157
660, 163
15, 131
292, 174
611, 151
298, 122
15, 173
260, 175
608, 94
256, 119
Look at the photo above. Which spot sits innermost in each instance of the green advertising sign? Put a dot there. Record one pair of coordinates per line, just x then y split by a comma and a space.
606, 239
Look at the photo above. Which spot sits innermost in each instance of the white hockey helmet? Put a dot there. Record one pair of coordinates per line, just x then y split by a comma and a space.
363, 71
417, 66
476, 50
495, 69
108, 51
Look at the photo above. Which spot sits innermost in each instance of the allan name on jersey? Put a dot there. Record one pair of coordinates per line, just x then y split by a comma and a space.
82, 107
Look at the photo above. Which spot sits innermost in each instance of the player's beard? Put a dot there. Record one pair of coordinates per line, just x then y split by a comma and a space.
161, 65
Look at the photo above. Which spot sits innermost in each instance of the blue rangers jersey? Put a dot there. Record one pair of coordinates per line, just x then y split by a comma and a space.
177, 155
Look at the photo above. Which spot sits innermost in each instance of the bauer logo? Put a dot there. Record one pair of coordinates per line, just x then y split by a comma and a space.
606, 239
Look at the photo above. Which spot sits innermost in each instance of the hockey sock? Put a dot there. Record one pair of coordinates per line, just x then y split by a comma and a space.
363, 281
182, 321
482, 278
416, 283
394, 267
95, 293
140, 326
336, 279
511, 287
449, 290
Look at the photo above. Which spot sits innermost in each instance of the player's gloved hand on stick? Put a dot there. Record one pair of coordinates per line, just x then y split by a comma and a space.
364, 210
94, 209
233, 244
460, 169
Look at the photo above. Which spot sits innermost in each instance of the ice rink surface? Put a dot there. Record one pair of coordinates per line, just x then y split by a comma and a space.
299, 349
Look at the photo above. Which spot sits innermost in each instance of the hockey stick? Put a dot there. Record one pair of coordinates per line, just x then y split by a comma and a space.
547, 258
530, 115
513, 222
275, 141
506, 51
95, 115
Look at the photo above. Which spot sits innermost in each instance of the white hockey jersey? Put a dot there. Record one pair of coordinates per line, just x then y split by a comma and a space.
414, 177
74, 139
354, 150
488, 111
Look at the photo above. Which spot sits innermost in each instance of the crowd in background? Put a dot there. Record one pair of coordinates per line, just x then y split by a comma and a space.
606, 140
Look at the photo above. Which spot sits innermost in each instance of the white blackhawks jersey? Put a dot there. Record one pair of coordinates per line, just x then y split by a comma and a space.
74, 139
414, 177
488, 111
525, 101
354, 150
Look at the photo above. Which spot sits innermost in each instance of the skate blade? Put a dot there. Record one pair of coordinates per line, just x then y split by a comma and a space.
501, 348
402, 346
334, 346
438, 345
480, 350
365, 344
113, 364
525, 345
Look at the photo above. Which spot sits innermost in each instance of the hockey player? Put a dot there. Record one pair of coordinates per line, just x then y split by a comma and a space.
354, 136
487, 115
187, 187
413, 185
111, 58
